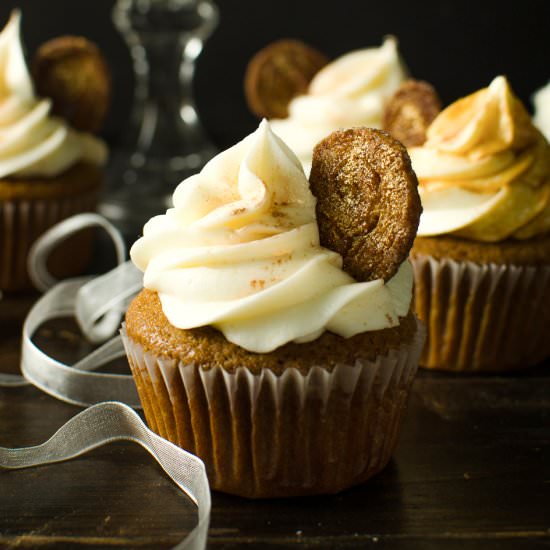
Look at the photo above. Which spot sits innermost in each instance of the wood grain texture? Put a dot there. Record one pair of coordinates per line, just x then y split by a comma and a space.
472, 470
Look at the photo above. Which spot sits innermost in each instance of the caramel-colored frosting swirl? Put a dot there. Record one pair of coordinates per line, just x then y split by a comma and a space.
240, 251
350, 91
32, 141
484, 170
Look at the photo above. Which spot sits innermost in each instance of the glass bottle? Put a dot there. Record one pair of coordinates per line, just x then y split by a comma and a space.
165, 141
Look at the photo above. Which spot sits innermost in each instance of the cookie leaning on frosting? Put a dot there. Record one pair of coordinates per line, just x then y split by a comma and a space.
482, 255
251, 346
48, 169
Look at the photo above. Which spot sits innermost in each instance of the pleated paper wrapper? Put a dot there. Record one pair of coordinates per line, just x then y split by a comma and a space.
263, 435
482, 318
23, 221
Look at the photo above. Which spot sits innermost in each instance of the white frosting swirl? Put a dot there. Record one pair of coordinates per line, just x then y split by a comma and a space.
350, 91
32, 142
541, 100
240, 251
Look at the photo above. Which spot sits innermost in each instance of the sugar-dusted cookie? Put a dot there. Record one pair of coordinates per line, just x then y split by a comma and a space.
279, 72
368, 207
74, 74
410, 111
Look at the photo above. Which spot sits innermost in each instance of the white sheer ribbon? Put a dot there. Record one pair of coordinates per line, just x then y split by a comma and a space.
77, 383
98, 305
108, 422
42, 247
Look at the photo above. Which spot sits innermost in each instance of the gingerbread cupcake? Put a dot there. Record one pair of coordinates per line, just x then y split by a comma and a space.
482, 256
48, 169
307, 99
250, 345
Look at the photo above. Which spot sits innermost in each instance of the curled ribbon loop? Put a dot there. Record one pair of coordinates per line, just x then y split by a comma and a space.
98, 305
73, 384
109, 422
42, 247
101, 302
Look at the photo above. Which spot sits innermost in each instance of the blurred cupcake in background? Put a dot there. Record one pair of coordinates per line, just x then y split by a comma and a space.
482, 255
541, 101
314, 97
49, 170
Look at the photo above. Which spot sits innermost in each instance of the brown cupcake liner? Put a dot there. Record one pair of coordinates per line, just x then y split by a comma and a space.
482, 318
23, 221
263, 435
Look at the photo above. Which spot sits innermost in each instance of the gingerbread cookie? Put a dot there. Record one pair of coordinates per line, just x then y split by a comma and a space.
279, 72
368, 207
73, 73
410, 111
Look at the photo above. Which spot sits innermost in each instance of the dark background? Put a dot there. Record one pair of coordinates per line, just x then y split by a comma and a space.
459, 46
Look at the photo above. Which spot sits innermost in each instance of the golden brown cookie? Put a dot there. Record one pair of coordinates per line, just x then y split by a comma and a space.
368, 207
279, 72
410, 111
74, 74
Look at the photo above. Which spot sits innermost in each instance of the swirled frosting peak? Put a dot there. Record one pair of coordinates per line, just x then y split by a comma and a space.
484, 170
32, 141
240, 251
350, 91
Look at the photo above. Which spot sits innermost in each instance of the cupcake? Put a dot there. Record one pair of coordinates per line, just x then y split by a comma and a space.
250, 346
350, 91
48, 169
541, 100
482, 255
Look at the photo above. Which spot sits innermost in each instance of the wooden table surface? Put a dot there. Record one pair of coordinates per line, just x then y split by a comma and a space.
472, 470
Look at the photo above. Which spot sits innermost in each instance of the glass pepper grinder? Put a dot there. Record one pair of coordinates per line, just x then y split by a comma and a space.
165, 142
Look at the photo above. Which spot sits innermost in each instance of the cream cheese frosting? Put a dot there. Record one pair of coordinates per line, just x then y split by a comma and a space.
541, 100
350, 91
240, 251
484, 170
32, 141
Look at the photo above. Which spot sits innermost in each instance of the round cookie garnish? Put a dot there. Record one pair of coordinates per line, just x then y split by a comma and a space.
368, 207
279, 72
410, 111
74, 74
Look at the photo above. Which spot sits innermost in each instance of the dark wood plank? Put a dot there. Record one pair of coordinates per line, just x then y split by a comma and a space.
472, 470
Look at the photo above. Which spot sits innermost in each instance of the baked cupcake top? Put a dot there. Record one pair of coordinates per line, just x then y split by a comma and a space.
32, 141
350, 91
240, 251
484, 170
541, 99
